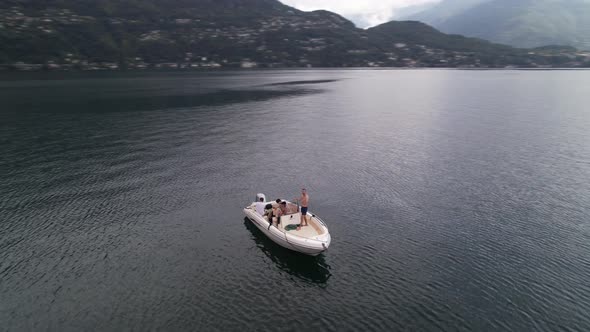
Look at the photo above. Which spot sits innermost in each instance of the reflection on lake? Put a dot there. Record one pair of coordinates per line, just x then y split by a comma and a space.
312, 269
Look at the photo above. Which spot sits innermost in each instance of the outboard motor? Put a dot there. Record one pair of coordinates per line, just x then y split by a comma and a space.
258, 196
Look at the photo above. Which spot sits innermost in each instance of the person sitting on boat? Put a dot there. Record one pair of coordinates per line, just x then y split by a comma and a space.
260, 206
280, 211
272, 210
281, 208
268, 211
284, 208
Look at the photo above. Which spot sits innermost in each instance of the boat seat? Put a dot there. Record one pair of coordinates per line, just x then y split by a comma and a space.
290, 219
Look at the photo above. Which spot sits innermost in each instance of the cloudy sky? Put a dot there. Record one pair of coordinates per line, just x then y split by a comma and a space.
363, 12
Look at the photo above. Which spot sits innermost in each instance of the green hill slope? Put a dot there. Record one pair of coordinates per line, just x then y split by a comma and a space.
170, 31
420, 39
111, 34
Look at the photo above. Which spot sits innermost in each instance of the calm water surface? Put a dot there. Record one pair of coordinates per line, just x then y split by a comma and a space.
456, 200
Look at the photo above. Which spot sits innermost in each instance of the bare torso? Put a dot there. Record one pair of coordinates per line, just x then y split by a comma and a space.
304, 200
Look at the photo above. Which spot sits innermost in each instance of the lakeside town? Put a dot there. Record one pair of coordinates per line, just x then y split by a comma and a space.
286, 41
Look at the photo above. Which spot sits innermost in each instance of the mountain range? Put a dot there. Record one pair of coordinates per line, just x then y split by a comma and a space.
113, 34
520, 23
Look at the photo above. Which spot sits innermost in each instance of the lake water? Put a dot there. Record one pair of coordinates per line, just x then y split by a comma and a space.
456, 200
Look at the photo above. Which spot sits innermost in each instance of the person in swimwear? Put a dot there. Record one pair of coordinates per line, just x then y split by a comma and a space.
304, 200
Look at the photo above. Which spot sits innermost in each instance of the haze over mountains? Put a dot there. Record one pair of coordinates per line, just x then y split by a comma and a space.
520, 23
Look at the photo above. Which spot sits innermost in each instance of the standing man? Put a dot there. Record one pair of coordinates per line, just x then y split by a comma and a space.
304, 204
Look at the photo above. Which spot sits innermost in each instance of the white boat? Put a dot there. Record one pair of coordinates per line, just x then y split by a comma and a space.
311, 240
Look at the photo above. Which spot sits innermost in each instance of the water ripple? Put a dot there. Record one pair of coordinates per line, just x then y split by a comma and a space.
450, 209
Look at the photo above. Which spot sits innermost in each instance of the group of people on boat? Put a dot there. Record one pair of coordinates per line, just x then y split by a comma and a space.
278, 208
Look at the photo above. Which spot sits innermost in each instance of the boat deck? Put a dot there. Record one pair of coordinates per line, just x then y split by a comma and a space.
310, 231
